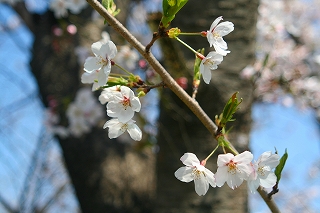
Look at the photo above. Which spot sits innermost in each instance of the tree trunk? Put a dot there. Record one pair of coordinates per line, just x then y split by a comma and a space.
108, 176
180, 131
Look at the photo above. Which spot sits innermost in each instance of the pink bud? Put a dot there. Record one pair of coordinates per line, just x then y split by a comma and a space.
72, 29
183, 82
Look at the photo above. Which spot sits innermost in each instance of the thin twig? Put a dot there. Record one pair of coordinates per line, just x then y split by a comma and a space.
154, 63
169, 82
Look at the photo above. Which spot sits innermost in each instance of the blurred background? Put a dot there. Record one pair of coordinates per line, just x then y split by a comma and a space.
56, 157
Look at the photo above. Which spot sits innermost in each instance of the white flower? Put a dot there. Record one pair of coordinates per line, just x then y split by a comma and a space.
194, 170
117, 128
76, 6
103, 52
59, 7
98, 78
108, 93
83, 113
262, 173
123, 104
77, 122
208, 64
127, 57
233, 169
215, 34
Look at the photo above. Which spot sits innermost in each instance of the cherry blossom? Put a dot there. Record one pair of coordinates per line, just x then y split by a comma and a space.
107, 94
75, 6
215, 34
195, 171
123, 104
83, 113
127, 57
208, 64
98, 78
103, 52
117, 128
262, 173
233, 169
59, 7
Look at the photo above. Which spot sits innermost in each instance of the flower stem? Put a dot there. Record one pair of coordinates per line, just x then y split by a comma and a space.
126, 71
211, 153
191, 34
190, 48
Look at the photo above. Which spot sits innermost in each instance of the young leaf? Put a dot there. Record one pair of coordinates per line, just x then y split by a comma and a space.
169, 10
280, 167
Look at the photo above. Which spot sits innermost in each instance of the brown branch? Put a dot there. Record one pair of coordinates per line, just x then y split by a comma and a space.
169, 82
154, 63
270, 203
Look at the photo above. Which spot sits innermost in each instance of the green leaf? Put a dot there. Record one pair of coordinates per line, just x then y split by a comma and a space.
169, 10
111, 7
280, 167
230, 108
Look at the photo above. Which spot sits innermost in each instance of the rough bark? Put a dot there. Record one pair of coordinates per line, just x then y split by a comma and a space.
180, 131
108, 176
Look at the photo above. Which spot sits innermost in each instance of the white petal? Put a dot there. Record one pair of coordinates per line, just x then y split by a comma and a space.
224, 28
115, 130
253, 185
102, 78
244, 157
234, 181
220, 50
134, 132
135, 104
108, 50
221, 175
223, 159
107, 68
210, 177
95, 47
88, 78
215, 22
270, 181
92, 64
201, 185
206, 73
269, 159
184, 174
190, 159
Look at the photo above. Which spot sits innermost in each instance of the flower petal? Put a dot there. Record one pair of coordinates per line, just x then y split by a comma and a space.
210, 177
190, 159
184, 174
92, 64
95, 47
205, 72
134, 132
201, 185
215, 22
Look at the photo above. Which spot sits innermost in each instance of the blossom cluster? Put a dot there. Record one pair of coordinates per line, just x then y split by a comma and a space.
287, 65
121, 100
61, 7
232, 170
84, 113
214, 58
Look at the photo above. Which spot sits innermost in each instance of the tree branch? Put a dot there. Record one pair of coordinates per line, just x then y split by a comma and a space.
169, 81
154, 63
